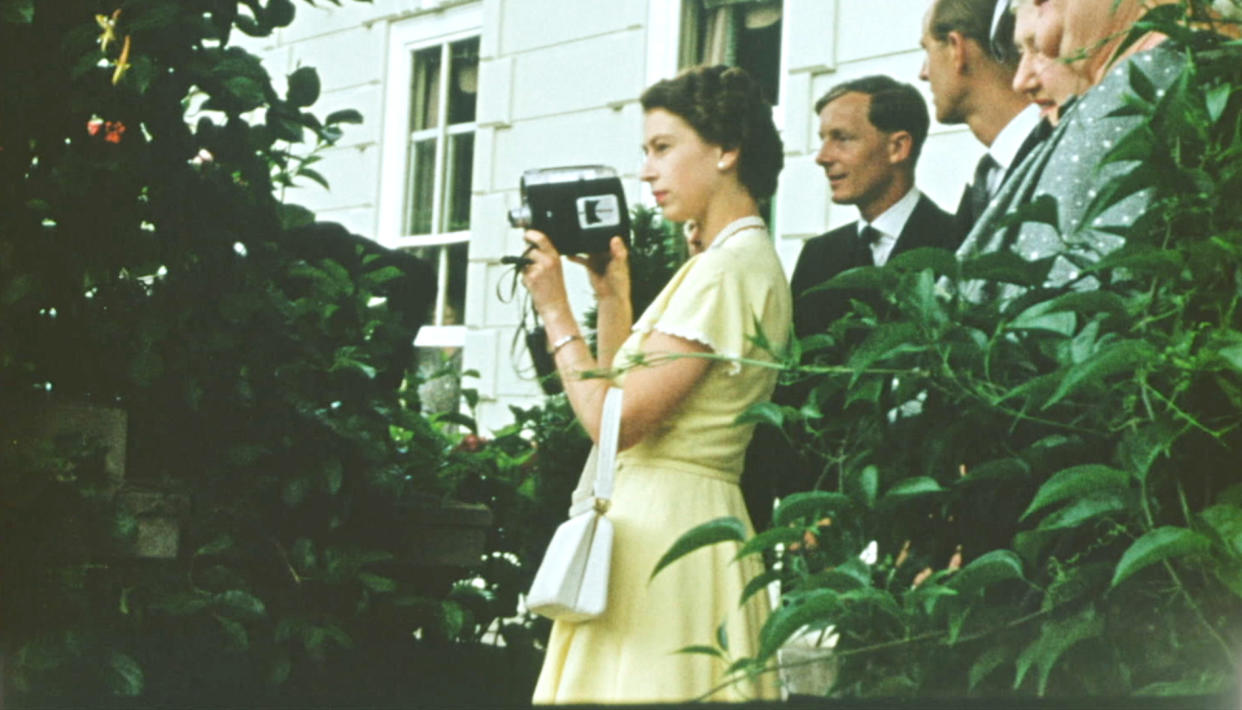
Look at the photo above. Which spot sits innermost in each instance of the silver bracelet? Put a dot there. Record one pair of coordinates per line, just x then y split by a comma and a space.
563, 341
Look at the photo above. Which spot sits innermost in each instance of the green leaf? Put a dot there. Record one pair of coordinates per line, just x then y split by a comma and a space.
942, 262
315, 175
1207, 684
1082, 510
1157, 545
294, 492
219, 544
303, 87
728, 529
17, 12
818, 605
279, 13
1118, 357
302, 554
294, 216
1055, 638
333, 476
183, 603
758, 584
769, 539
1046, 317
1217, 99
809, 505
988, 661
884, 341
1007, 267
1042, 210
1075, 482
722, 636
863, 485
858, 278
995, 566
239, 639
126, 678
243, 603
280, 670
912, 488
768, 413
851, 575
1226, 522
348, 115
247, 91
376, 583
701, 650
997, 470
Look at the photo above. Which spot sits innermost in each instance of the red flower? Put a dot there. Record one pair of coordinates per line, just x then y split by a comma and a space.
115, 129
93, 126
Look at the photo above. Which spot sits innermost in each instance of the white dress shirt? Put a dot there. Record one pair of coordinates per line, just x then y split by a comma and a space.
890, 224
1004, 150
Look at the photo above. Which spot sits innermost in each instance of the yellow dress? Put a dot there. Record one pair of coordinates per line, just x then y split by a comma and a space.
684, 474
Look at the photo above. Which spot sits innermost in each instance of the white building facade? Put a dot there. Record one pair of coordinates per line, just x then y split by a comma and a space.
461, 96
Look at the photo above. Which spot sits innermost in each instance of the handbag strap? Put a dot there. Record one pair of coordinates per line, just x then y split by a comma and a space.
595, 486
609, 432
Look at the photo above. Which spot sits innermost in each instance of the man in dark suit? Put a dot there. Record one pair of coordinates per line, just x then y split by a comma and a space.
872, 130
970, 62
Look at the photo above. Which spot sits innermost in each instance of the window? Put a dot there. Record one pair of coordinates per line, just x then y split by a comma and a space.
428, 156
744, 33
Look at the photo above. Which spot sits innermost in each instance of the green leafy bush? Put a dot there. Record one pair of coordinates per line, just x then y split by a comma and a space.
1051, 481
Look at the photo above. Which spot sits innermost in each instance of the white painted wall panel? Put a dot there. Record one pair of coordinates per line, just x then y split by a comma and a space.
579, 76
344, 59
530, 24
871, 28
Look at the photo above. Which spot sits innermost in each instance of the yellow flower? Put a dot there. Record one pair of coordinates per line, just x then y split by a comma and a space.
122, 63
108, 25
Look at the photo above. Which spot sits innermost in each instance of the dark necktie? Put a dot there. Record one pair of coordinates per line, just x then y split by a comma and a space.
978, 194
869, 237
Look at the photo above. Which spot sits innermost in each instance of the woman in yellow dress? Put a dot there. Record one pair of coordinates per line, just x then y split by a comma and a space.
712, 156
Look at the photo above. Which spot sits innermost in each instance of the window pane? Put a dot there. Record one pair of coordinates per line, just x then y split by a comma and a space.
421, 187
425, 90
759, 48
457, 198
464, 82
439, 369
449, 262
455, 297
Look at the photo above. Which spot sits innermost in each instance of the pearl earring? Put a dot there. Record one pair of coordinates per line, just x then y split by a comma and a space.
720, 165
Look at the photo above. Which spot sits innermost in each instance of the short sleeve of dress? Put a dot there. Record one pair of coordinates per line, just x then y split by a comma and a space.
711, 305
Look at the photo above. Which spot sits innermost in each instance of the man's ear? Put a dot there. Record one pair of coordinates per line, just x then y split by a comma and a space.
900, 147
957, 48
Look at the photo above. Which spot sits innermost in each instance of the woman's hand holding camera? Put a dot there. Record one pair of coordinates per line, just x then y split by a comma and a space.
543, 276
609, 271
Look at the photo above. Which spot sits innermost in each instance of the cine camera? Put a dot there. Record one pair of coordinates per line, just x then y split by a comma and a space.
580, 207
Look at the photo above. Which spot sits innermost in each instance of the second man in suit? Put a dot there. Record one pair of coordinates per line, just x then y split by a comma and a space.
871, 130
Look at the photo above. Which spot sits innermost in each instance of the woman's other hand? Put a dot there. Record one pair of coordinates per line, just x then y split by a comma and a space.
543, 277
609, 271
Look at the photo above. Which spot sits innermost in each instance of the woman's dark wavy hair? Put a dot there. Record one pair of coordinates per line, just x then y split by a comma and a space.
725, 107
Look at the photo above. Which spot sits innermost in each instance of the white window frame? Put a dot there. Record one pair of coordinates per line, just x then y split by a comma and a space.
664, 35
405, 38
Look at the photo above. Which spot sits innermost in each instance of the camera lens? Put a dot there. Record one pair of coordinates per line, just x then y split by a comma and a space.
520, 217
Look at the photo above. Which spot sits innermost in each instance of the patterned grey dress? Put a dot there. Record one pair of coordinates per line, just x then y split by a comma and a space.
1069, 167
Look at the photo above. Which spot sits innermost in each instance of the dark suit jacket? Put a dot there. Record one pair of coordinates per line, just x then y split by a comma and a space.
772, 467
841, 249
966, 217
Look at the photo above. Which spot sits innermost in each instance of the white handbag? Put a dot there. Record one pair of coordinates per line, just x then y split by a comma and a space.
572, 581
